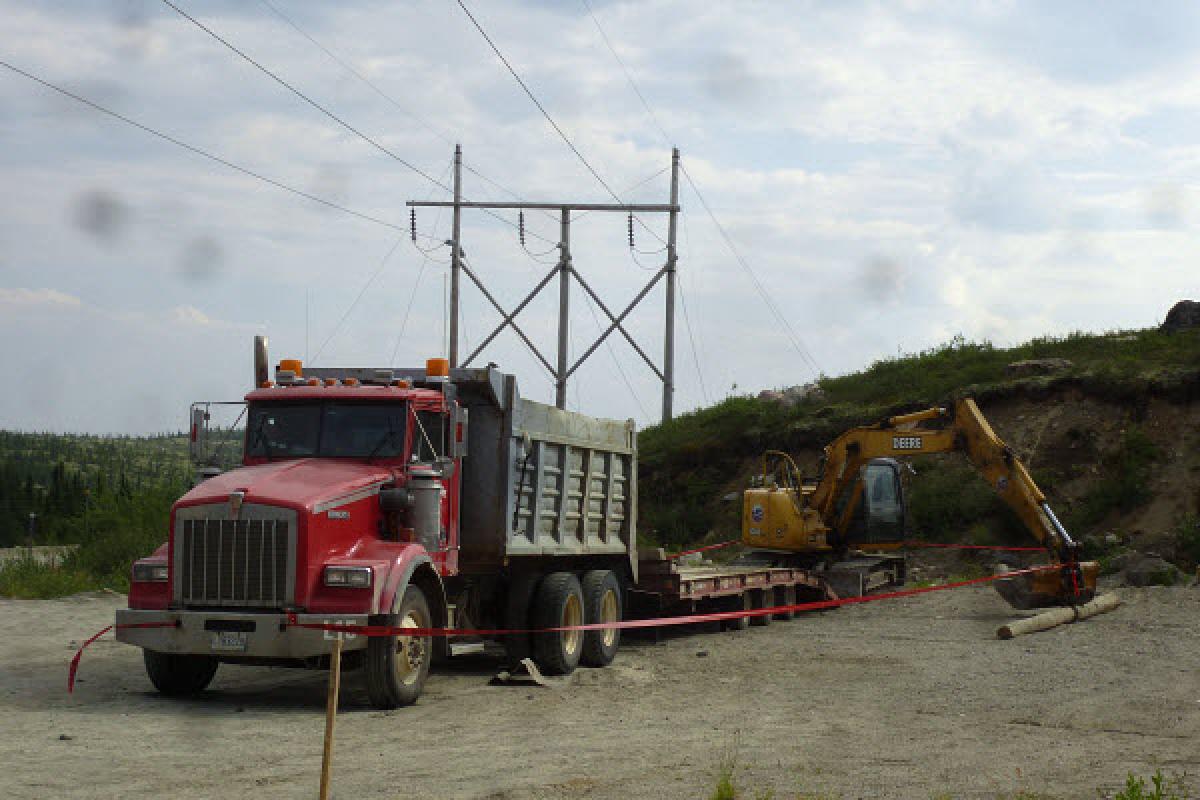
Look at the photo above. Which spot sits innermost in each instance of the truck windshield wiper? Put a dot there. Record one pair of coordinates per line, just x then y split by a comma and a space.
387, 437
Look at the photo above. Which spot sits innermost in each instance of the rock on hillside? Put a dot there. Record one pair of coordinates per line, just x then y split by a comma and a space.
1184, 315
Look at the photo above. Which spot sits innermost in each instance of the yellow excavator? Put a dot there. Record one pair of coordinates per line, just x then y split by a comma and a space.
856, 505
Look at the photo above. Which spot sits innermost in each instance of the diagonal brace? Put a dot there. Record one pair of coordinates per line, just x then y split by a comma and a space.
508, 318
616, 322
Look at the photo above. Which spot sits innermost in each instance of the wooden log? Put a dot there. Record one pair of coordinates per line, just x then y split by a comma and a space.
1058, 616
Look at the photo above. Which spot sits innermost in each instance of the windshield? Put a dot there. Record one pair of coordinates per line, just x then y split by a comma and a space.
329, 430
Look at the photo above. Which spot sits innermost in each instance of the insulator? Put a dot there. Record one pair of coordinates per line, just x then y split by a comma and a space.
631, 229
412, 224
521, 226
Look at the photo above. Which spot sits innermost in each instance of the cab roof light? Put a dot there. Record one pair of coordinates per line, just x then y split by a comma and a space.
437, 369
331, 381
314, 381
293, 365
351, 381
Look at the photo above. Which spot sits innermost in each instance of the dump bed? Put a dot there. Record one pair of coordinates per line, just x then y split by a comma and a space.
542, 482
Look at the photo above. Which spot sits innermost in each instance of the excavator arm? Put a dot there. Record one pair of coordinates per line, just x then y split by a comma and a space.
820, 516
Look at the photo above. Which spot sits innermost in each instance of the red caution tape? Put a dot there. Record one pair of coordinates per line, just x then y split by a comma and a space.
703, 549
662, 622
79, 653
657, 622
916, 543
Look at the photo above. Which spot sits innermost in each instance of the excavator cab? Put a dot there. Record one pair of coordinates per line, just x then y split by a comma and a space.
881, 521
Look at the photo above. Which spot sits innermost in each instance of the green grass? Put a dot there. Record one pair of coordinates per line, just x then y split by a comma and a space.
1160, 788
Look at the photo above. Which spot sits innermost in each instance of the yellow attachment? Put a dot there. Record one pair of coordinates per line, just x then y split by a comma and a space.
293, 365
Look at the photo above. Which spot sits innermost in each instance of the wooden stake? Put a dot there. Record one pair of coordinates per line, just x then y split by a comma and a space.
1058, 616
331, 704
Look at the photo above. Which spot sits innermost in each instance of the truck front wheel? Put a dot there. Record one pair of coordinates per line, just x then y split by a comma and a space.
177, 675
397, 666
559, 603
601, 603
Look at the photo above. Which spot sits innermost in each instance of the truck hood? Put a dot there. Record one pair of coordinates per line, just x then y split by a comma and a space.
300, 484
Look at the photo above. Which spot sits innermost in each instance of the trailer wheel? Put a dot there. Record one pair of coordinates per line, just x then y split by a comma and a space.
761, 599
785, 596
738, 602
397, 666
178, 675
601, 603
559, 603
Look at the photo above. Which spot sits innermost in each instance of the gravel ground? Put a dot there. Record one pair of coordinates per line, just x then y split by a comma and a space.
911, 698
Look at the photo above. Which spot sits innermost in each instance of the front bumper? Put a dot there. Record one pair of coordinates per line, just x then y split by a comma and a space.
234, 635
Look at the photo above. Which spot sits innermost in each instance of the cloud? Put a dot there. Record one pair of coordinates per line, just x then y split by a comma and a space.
37, 299
1005, 170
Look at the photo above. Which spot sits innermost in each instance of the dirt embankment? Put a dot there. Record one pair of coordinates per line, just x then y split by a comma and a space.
910, 698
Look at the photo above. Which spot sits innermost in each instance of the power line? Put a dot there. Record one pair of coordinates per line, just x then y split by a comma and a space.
687, 238
388, 97
770, 303
536, 102
546, 114
200, 152
374, 275
305, 97
346, 66
326, 111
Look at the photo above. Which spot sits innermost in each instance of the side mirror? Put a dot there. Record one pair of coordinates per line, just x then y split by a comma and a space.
198, 433
458, 433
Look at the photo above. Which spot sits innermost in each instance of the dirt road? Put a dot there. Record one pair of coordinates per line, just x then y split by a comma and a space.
911, 698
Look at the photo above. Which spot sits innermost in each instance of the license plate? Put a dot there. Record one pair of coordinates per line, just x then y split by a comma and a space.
229, 640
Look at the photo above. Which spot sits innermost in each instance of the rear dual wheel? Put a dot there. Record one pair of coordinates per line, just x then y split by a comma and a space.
601, 604
558, 604
561, 600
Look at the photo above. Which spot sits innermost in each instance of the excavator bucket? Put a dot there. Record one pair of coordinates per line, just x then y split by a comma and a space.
1070, 585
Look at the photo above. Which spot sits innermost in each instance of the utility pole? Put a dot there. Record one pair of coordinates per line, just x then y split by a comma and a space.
564, 306
565, 270
455, 256
669, 334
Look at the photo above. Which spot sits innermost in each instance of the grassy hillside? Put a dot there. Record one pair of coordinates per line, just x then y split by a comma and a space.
689, 464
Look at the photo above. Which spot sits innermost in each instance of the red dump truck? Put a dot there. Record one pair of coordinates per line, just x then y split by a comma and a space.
416, 498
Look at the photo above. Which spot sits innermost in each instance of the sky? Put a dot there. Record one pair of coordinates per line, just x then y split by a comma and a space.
890, 176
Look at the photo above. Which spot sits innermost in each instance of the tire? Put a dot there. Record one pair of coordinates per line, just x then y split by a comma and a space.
761, 599
179, 675
559, 601
397, 666
785, 596
517, 616
739, 602
601, 603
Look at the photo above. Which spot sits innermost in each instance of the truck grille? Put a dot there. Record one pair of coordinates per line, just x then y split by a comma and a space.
227, 562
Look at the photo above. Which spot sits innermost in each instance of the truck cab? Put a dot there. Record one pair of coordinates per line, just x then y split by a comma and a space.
344, 510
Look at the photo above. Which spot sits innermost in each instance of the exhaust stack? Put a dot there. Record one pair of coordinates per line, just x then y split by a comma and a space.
262, 365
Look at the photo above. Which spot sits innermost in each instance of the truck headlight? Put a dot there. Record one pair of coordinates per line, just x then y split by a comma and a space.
150, 573
348, 577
